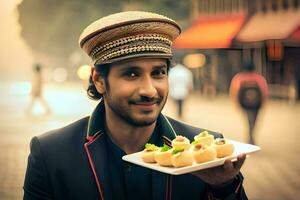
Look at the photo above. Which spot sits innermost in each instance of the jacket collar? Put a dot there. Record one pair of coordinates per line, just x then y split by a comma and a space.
95, 128
96, 121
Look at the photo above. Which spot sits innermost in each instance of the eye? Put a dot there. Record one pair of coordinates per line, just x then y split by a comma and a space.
130, 74
160, 73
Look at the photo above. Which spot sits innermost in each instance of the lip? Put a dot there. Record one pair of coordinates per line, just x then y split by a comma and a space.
146, 106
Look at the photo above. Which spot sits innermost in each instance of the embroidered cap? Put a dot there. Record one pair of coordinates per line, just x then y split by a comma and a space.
128, 35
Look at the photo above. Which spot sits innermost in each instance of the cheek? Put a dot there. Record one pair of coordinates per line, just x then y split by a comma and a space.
163, 87
121, 88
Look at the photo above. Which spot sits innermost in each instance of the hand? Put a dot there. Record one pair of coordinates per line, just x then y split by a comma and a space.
221, 175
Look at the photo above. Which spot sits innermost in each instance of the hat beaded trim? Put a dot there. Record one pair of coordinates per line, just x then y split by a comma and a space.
130, 45
123, 41
134, 49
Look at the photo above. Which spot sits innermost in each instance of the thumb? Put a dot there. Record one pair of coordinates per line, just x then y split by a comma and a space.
228, 166
240, 161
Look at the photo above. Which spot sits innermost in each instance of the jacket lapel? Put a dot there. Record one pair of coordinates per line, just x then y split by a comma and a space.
97, 156
96, 150
167, 129
162, 183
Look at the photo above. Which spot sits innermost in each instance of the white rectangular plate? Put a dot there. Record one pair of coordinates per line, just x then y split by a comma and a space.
239, 148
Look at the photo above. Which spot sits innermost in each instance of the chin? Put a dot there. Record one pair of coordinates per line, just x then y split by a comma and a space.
143, 121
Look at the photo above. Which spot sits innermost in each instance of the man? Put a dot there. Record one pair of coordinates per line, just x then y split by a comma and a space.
250, 90
181, 83
37, 91
131, 52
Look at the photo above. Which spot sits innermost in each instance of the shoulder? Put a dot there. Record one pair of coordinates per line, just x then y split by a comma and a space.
189, 131
259, 77
71, 134
56, 148
237, 78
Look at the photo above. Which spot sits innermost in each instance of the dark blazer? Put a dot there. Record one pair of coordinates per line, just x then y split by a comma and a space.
69, 164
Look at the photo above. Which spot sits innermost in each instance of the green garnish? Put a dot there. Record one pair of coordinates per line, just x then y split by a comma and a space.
165, 148
203, 133
195, 142
177, 150
151, 147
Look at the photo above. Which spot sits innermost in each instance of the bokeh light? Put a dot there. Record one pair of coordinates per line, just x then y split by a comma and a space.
84, 72
60, 74
194, 60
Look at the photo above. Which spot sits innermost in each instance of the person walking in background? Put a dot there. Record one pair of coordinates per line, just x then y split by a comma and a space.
37, 90
250, 90
181, 83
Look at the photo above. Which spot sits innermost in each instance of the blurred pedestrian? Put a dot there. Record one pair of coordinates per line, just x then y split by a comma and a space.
181, 84
37, 91
250, 90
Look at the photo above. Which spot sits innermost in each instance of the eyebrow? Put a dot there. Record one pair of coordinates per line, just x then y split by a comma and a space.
129, 67
136, 67
160, 66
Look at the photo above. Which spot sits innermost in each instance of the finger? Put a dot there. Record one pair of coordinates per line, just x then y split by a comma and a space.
240, 161
228, 166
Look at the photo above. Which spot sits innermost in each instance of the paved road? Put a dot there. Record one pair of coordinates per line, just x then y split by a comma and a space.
273, 173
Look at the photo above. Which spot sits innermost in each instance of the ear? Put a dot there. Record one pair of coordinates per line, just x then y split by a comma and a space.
98, 81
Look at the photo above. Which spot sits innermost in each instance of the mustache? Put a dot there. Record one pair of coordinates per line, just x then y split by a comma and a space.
144, 99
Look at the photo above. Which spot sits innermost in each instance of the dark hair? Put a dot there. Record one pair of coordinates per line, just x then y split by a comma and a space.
249, 66
37, 67
103, 70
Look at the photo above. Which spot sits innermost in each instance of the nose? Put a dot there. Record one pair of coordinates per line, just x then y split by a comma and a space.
147, 88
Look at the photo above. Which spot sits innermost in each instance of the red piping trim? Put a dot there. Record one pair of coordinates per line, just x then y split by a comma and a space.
92, 164
92, 138
89, 138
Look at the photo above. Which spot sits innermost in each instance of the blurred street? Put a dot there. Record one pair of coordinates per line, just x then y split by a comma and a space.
273, 173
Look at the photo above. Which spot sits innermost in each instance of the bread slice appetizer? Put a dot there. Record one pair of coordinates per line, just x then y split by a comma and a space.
223, 147
204, 138
203, 153
163, 156
181, 142
149, 152
181, 157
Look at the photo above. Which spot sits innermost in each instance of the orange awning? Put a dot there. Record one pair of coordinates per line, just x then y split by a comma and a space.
270, 25
211, 32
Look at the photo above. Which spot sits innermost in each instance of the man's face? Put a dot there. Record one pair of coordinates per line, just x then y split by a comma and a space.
136, 90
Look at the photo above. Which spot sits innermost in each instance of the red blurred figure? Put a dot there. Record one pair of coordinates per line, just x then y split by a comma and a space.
250, 90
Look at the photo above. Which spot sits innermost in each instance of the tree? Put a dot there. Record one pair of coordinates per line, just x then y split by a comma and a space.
52, 27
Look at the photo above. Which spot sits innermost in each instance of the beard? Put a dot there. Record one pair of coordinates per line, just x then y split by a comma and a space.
125, 112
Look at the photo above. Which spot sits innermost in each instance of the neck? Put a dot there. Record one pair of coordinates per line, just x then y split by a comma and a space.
128, 137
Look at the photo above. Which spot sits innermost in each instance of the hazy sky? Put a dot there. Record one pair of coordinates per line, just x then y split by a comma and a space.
15, 57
